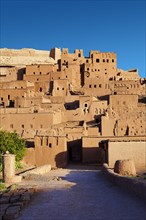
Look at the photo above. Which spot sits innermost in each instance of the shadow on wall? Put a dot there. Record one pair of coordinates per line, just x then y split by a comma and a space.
72, 105
61, 160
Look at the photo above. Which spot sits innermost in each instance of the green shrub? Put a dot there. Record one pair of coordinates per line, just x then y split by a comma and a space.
18, 165
13, 143
2, 186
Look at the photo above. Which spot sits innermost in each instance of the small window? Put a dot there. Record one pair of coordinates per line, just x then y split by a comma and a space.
103, 60
2, 99
11, 125
50, 145
97, 60
66, 76
107, 60
37, 79
41, 89
99, 85
105, 73
87, 61
89, 86
94, 86
95, 69
113, 61
34, 73
98, 70
8, 96
22, 126
87, 68
62, 88
79, 55
57, 88
41, 126
41, 141
40, 73
31, 126
86, 105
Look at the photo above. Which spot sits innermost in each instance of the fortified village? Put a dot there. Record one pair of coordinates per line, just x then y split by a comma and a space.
71, 108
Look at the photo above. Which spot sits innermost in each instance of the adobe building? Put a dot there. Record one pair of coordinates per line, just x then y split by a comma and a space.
71, 108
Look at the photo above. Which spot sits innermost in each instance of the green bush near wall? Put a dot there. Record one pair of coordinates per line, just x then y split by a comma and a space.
10, 141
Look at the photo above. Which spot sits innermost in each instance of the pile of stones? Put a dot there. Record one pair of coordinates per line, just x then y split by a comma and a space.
12, 202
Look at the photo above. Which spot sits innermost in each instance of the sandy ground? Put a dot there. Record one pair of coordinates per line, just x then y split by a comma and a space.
80, 193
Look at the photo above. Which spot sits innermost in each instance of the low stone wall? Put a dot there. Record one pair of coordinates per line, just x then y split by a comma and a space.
37, 171
13, 201
130, 184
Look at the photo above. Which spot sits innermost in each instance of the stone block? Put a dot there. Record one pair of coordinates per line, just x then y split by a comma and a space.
39, 170
17, 204
125, 167
4, 199
12, 213
14, 198
25, 198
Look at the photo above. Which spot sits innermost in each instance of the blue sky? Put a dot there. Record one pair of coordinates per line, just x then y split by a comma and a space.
116, 26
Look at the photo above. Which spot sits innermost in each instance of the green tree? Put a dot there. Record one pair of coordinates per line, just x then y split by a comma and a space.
13, 143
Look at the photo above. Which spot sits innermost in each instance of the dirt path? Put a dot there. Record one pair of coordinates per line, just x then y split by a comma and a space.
81, 194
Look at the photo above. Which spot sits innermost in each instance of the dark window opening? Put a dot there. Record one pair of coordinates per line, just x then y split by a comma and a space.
11, 126
2, 99
31, 126
86, 105
99, 85
103, 60
34, 73
40, 73
87, 61
97, 60
62, 88
57, 88
94, 86
8, 96
41, 89
22, 126
89, 86
112, 60
79, 55
50, 145
107, 60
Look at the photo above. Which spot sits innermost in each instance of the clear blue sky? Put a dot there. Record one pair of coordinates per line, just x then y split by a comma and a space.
116, 26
